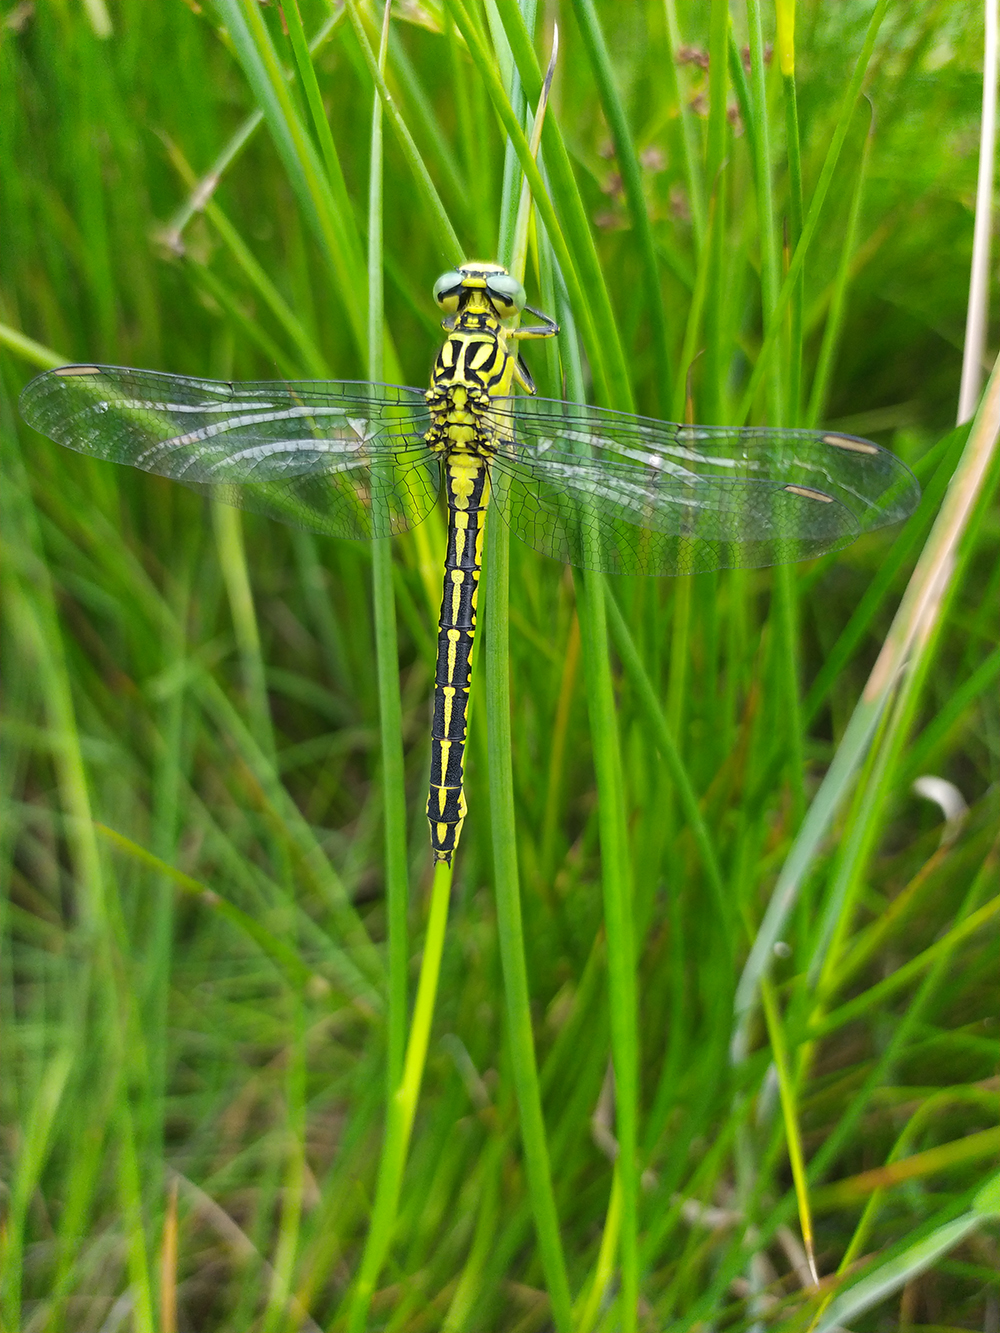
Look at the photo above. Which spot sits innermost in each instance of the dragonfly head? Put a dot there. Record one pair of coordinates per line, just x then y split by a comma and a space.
479, 288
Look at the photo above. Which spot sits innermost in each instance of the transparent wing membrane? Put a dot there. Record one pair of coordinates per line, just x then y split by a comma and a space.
594, 488
342, 458
626, 495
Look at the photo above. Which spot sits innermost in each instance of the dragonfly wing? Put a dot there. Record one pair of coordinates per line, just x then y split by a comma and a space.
337, 457
623, 494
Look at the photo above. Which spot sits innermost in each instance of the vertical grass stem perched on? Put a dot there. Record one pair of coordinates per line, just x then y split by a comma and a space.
697, 1027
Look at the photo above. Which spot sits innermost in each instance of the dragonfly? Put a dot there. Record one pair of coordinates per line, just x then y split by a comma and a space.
595, 488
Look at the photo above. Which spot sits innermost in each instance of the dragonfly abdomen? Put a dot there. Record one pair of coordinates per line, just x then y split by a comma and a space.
468, 489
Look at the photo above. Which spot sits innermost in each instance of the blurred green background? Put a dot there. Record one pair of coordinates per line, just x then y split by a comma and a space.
194, 1071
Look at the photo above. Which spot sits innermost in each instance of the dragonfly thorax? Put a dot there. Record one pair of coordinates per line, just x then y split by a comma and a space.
472, 367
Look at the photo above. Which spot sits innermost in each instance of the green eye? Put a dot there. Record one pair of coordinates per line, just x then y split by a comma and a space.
506, 290
446, 290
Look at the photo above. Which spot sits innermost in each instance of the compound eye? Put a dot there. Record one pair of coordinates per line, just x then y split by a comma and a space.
446, 291
506, 291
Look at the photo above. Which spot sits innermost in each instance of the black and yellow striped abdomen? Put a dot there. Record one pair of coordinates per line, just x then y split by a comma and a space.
472, 367
467, 484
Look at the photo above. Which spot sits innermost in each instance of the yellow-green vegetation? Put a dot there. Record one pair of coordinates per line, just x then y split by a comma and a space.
705, 1008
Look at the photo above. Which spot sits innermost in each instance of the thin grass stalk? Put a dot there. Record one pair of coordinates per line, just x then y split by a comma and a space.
386, 642
622, 980
129, 1190
785, 691
314, 100
974, 349
618, 907
864, 827
835, 315
982, 679
588, 1310
173, 719
785, 16
759, 131
516, 244
557, 753
402, 1079
628, 165
872, 939
402, 1108
706, 281
487, 1224
421, 109
473, 167
784, 695
38, 1122
890, 1276
451, 246
279, 1292
513, 185
787, 1087
363, 961
91, 1143
883, 990
227, 523
690, 134
940, 567
35, 353
716, 348
168, 1264
680, 658
250, 329
510, 928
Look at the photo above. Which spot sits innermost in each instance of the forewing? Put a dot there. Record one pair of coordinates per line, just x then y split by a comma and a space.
624, 494
338, 457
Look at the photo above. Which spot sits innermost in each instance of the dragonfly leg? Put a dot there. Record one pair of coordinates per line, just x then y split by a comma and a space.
547, 329
522, 376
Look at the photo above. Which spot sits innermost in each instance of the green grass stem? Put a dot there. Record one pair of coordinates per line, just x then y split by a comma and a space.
507, 888
386, 646
628, 164
402, 1107
510, 926
618, 908
618, 920
450, 247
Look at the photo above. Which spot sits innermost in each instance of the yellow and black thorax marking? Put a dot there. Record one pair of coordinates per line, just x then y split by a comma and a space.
474, 366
